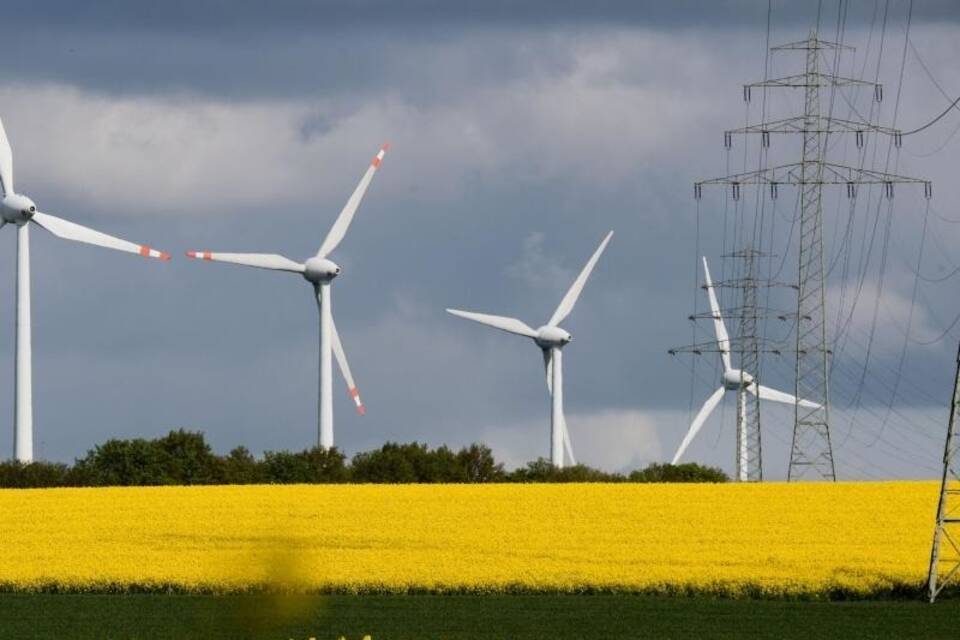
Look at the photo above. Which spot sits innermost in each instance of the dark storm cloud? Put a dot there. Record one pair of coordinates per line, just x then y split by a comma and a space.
354, 48
290, 17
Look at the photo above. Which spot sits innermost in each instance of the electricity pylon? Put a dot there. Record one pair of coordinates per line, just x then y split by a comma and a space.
811, 450
945, 555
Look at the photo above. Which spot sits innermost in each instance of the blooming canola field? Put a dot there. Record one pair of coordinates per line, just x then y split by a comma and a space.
761, 539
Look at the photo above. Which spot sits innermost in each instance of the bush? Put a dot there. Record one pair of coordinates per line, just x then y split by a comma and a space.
542, 470
180, 457
314, 465
689, 472
240, 467
416, 462
17, 475
184, 458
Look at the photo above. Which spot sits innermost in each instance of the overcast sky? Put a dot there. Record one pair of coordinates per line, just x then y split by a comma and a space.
521, 133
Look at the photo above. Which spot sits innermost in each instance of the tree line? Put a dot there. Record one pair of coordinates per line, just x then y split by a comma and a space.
185, 458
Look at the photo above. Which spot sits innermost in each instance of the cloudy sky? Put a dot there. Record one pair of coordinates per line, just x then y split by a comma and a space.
521, 133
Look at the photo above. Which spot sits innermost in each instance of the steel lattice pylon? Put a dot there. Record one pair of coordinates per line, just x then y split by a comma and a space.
945, 555
811, 450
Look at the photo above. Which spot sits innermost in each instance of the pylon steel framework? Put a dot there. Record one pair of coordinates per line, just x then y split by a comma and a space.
945, 554
749, 450
811, 451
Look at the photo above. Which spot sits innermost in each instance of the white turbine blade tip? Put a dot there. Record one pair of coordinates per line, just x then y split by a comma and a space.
199, 255
355, 394
149, 252
378, 159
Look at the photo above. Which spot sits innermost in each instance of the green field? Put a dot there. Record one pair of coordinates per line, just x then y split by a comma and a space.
185, 617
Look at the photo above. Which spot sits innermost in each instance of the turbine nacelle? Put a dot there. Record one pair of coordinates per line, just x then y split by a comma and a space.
548, 336
734, 379
18, 209
320, 270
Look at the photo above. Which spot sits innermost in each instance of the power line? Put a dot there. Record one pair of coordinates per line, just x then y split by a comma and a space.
953, 104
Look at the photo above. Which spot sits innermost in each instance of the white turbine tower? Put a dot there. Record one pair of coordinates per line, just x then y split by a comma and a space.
320, 272
733, 380
551, 339
20, 210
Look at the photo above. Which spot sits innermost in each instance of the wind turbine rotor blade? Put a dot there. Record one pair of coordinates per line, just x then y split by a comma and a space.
566, 305
698, 421
548, 368
510, 325
766, 393
342, 223
259, 260
6, 162
345, 368
566, 442
723, 338
78, 233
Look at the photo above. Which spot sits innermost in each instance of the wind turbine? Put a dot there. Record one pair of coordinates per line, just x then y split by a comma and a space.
320, 272
551, 339
20, 210
733, 380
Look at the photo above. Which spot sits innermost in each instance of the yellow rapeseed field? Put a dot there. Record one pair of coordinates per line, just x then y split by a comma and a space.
776, 539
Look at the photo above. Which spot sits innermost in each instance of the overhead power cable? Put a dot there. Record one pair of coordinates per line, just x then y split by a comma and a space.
953, 105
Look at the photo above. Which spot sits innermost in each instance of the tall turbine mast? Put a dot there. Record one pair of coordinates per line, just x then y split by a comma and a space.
811, 451
945, 555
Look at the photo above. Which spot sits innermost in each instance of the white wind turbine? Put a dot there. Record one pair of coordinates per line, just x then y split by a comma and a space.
320, 272
551, 339
733, 380
20, 210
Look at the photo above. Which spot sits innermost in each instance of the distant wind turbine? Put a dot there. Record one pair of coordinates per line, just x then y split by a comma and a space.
733, 380
551, 339
20, 210
320, 272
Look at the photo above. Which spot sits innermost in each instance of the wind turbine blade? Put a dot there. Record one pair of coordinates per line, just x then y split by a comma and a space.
566, 305
698, 421
548, 368
766, 393
6, 162
510, 325
342, 223
260, 260
345, 368
566, 442
78, 233
723, 338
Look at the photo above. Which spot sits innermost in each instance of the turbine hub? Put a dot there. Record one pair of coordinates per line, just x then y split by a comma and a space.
735, 379
320, 270
17, 209
548, 337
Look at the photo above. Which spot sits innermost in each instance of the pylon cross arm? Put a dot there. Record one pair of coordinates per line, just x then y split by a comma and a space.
830, 173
